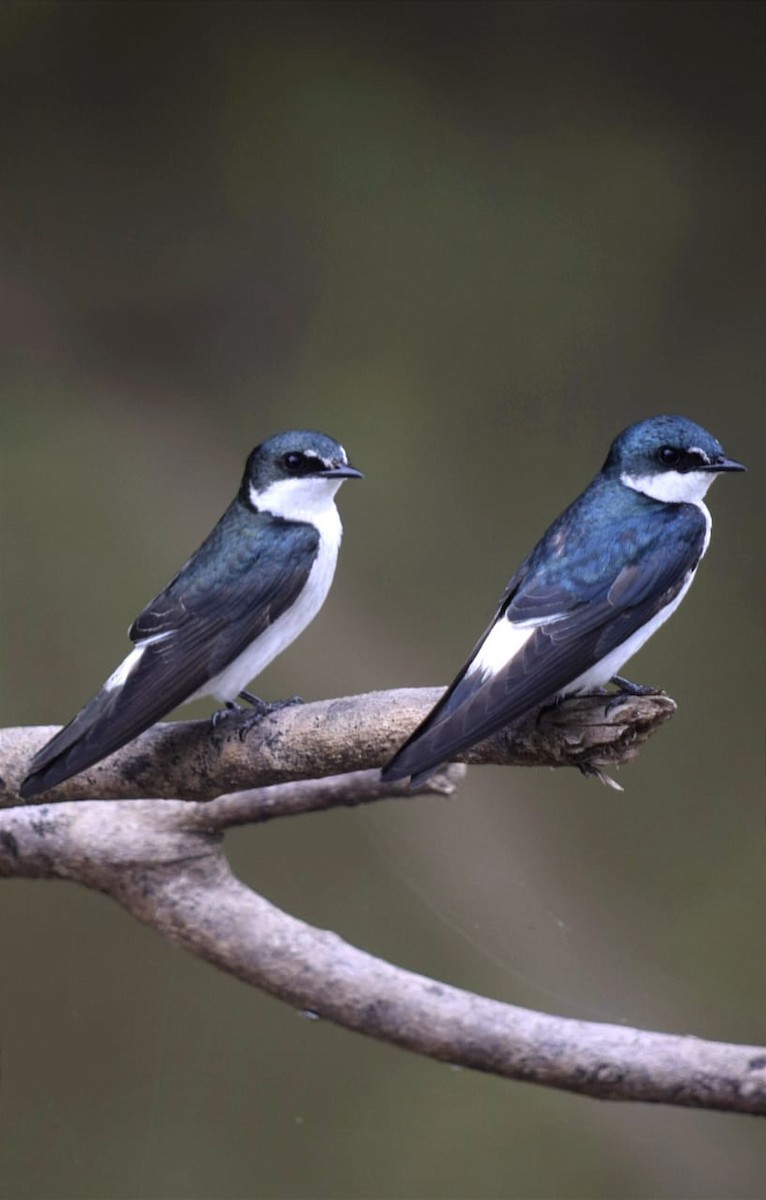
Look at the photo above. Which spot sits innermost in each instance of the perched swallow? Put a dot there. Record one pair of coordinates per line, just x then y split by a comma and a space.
255, 583
607, 573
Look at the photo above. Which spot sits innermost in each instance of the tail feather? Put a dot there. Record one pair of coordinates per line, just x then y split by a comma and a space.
414, 759
427, 747
423, 753
99, 729
465, 715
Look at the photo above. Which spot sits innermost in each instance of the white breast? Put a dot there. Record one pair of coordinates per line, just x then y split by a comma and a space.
230, 682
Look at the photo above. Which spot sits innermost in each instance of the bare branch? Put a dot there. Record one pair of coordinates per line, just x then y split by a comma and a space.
163, 861
158, 861
317, 795
332, 737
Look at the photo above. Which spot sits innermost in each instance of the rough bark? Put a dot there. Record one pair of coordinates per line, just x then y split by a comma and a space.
330, 737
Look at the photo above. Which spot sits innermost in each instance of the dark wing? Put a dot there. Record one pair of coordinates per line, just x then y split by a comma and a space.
570, 636
202, 627
203, 620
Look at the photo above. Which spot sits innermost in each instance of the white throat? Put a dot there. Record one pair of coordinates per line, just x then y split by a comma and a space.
672, 487
308, 499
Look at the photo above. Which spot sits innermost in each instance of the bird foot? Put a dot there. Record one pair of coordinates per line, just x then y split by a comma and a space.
269, 705
627, 688
222, 714
248, 718
260, 709
634, 689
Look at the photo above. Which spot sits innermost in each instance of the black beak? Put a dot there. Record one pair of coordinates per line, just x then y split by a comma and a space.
722, 463
341, 472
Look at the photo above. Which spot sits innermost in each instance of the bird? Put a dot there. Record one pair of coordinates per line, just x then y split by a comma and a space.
251, 588
603, 578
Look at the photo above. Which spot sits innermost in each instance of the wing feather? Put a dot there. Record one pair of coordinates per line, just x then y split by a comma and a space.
217, 604
577, 619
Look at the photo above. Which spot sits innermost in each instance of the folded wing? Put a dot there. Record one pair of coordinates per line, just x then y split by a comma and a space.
201, 622
558, 630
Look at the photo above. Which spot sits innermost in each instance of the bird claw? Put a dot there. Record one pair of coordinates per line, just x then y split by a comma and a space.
625, 688
247, 719
221, 714
291, 701
261, 709
634, 689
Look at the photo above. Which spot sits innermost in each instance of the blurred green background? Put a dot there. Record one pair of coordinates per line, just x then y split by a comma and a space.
472, 241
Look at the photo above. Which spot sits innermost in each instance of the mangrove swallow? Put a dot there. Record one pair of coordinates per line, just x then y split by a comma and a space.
607, 573
254, 584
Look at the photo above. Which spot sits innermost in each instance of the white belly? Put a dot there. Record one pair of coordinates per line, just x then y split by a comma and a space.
601, 672
230, 682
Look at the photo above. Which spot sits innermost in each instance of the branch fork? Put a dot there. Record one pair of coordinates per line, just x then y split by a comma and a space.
162, 859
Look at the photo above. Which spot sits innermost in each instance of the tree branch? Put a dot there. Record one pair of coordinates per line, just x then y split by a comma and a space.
317, 795
330, 737
160, 860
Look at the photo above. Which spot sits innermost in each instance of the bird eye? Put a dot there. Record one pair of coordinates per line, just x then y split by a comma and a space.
668, 456
293, 461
